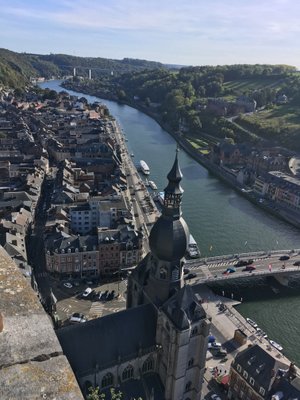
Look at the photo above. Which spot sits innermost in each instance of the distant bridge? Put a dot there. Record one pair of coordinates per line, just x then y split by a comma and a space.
213, 269
85, 68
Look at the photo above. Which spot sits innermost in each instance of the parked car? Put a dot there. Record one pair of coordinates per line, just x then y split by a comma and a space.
68, 285
186, 271
284, 258
221, 353
297, 263
78, 318
110, 295
190, 275
214, 345
215, 397
211, 339
104, 296
87, 292
249, 268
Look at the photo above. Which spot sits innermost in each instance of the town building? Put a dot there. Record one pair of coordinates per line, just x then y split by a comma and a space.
258, 374
279, 187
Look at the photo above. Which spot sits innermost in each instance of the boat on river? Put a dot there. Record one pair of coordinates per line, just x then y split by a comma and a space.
152, 184
160, 198
276, 345
193, 249
144, 167
251, 322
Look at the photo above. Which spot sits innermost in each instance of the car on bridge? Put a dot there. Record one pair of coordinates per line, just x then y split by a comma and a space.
242, 263
230, 270
284, 258
249, 268
191, 275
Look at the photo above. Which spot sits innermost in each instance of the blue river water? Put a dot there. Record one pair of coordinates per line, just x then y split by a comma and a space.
221, 221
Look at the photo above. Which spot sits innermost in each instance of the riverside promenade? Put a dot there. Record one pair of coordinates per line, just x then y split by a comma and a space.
224, 325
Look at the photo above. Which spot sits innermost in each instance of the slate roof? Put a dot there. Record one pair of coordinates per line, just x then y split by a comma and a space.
108, 340
259, 365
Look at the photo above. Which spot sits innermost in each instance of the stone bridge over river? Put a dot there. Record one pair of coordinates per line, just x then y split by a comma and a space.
281, 264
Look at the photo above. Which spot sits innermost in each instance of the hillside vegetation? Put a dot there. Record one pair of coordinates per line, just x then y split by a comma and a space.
17, 68
195, 101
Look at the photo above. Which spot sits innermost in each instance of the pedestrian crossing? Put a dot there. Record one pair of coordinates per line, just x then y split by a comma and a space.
96, 309
218, 264
63, 308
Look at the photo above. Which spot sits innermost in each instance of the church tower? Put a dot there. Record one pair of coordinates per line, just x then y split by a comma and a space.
160, 275
182, 326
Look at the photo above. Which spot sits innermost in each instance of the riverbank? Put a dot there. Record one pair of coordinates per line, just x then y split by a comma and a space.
225, 176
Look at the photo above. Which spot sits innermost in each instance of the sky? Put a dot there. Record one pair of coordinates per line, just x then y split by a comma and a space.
184, 32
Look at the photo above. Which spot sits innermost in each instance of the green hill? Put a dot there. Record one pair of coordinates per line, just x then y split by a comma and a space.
17, 68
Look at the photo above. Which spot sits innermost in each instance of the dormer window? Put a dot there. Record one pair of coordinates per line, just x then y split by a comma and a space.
262, 391
239, 368
245, 374
252, 381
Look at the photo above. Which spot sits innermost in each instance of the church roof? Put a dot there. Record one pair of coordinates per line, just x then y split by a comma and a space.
108, 340
174, 178
169, 238
169, 235
184, 308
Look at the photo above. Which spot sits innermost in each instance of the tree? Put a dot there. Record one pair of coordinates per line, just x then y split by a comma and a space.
121, 94
96, 395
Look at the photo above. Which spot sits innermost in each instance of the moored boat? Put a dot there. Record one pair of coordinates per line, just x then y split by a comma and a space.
160, 197
193, 250
251, 322
152, 185
276, 345
147, 183
144, 167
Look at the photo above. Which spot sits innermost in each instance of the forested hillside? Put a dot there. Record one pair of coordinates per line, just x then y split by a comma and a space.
197, 100
17, 68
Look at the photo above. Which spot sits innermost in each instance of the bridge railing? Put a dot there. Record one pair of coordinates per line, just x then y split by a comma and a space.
253, 254
256, 273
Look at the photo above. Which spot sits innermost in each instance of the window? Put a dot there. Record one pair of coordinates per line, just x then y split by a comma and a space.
245, 374
148, 365
239, 368
262, 391
107, 380
191, 362
188, 386
194, 331
127, 373
252, 381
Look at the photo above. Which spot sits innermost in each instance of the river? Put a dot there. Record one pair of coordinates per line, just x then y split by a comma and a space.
221, 221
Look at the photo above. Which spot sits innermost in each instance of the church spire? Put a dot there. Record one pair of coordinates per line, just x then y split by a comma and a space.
173, 191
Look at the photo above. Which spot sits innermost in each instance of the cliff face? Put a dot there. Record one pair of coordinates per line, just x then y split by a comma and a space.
32, 364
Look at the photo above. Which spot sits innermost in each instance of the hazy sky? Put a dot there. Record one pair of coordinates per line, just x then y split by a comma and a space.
190, 32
